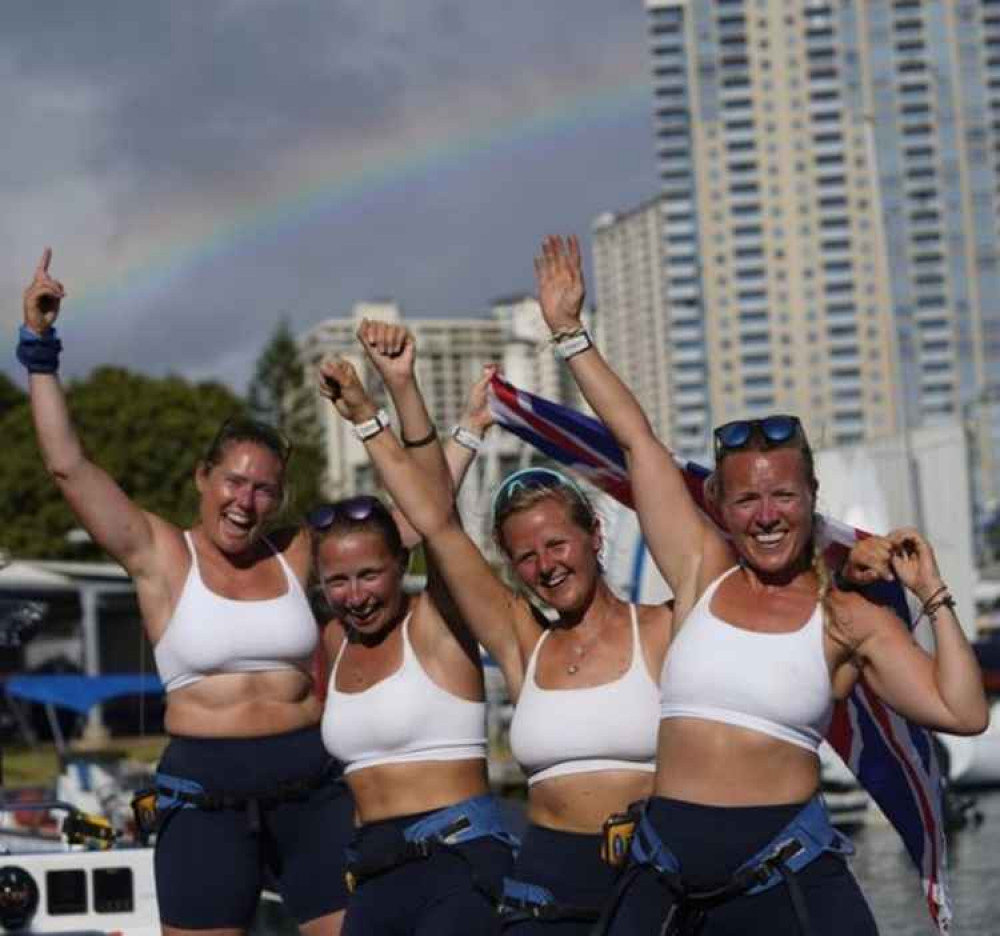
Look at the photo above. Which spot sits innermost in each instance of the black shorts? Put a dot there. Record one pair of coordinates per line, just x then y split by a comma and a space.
569, 866
710, 843
211, 864
451, 893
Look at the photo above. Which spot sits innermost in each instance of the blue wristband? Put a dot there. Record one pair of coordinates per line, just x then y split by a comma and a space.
39, 353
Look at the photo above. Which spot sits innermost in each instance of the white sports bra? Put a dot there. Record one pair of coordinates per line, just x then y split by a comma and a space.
556, 732
776, 684
404, 718
209, 633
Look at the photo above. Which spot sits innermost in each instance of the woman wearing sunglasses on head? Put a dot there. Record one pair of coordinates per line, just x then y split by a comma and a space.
405, 708
763, 645
587, 703
245, 782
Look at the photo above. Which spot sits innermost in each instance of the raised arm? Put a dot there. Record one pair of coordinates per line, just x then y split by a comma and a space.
686, 547
113, 521
943, 691
496, 617
392, 351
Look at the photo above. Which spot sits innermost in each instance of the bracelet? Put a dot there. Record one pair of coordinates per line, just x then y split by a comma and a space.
945, 602
467, 439
934, 594
570, 345
422, 441
39, 353
563, 333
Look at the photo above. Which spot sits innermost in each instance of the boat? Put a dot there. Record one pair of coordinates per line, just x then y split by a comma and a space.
86, 878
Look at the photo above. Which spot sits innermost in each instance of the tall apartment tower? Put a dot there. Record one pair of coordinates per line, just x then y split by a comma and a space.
837, 165
765, 154
633, 326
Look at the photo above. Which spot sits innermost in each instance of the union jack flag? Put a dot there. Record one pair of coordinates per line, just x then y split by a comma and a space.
892, 759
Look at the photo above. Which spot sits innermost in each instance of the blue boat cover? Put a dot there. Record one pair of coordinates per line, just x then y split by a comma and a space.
81, 693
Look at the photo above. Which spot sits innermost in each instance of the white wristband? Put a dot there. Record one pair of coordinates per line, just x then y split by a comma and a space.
572, 345
371, 427
467, 439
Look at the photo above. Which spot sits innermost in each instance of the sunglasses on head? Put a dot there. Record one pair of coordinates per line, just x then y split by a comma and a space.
358, 509
736, 435
530, 479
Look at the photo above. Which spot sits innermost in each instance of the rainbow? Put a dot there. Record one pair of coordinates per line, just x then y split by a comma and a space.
188, 245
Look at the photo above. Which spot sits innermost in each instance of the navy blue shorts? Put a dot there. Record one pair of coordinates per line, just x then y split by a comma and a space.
211, 864
569, 866
451, 893
711, 842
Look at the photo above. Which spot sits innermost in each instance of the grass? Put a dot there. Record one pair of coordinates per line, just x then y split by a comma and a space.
38, 765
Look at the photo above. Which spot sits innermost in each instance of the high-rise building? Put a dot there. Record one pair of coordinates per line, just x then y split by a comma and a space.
763, 142
633, 320
836, 167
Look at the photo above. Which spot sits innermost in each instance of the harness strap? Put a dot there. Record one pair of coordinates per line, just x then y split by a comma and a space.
808, 836
522, 902
441, 831
172, 791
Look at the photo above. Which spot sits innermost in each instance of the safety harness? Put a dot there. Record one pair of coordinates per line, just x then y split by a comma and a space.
442, 831
808, 836
173, 793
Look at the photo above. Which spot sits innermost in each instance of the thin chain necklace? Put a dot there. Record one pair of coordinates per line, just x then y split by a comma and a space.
580, 650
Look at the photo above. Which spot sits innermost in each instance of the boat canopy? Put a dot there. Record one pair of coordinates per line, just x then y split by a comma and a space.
81, 693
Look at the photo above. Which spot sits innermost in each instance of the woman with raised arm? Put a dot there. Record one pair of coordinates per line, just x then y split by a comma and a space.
735, 838
587, 704
405, 706
245, 782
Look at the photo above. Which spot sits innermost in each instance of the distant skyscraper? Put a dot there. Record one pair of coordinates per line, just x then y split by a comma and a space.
836, 167
634, 321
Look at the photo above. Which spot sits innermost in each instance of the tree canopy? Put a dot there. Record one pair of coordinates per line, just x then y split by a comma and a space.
147, 433
281, 393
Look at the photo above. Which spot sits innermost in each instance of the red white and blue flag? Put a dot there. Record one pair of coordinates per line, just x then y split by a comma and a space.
892, 759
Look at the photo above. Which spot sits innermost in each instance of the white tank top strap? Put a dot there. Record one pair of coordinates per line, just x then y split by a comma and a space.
293, 579
529, 672
189, 539
713, 586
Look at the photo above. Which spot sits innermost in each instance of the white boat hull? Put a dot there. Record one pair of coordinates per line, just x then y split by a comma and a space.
89, 891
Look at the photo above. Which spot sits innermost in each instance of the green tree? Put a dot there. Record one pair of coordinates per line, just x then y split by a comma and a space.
147, 433
11, 395
281, 393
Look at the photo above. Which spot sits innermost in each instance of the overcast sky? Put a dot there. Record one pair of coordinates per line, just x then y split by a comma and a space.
203, 167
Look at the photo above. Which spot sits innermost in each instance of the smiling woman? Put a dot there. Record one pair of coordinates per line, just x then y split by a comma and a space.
233, 634
405, 708
736, 837
585, 720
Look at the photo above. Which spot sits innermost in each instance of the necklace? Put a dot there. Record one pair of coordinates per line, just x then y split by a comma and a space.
580, 651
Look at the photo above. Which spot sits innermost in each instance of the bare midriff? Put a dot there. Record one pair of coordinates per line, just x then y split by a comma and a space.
716, 764
389, 790
581, 802
243, 705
